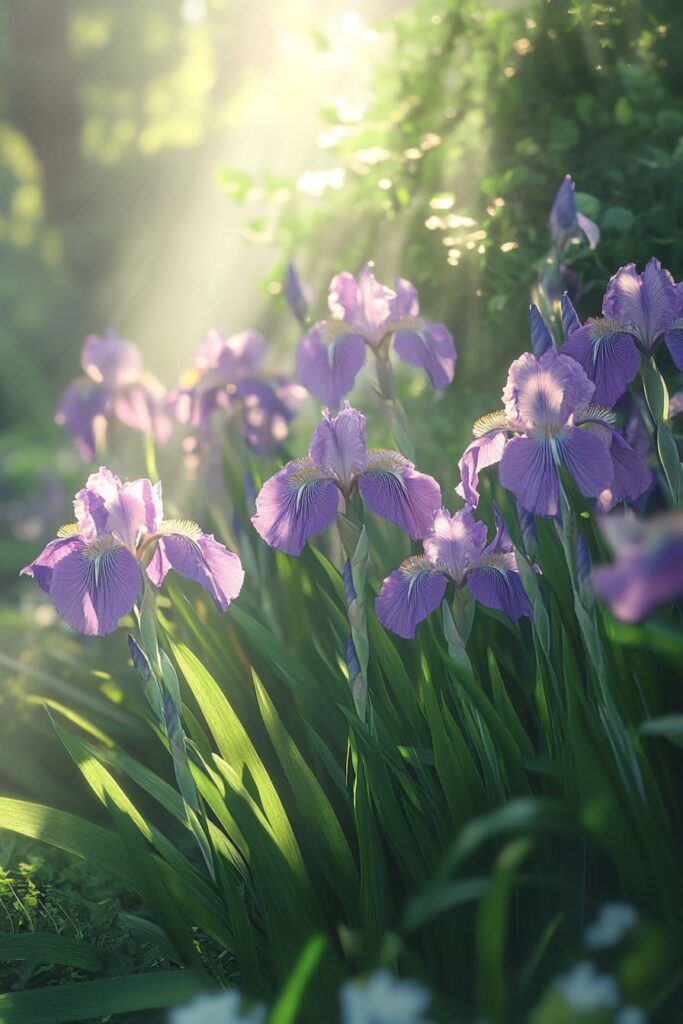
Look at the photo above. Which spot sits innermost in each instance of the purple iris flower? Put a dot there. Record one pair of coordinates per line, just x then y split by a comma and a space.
566, 222
228, 376
648, 570
305, 496
638, 312
553, 425
368, 314
454, 549
93, 570
114, 384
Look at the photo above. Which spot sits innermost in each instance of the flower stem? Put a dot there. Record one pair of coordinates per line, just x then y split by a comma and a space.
355, 544
584, 605
457, 626
395, 414
657, 398
162, 691
151, 458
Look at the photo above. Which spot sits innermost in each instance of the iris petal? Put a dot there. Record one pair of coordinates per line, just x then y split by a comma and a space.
338, 445
632, 478
528, 469
483, 452
408, 595
545, 391
455, 543
80, 404
105, 505
42, 567
295, 504
328, 360
645, 304
94, 585
391, 487
649, 568
608, 355
197, 556
500, 587
429, 347
588, 460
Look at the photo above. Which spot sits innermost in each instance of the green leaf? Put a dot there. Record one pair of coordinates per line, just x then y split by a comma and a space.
48, 948
492, 929
63, 1004
237, 749
100, 846
668, 726
327, 845
287, 1007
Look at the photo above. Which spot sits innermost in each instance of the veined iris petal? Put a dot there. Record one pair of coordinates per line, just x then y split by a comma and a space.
409, 594
392, 488
295, 504
95, 584
181, 545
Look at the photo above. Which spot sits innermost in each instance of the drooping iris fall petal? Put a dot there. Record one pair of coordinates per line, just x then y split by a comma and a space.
528, 469
608, 356
197, 556
295, 504
409, 594
429, 347
94, 585
499, 586
392, 488
328, 360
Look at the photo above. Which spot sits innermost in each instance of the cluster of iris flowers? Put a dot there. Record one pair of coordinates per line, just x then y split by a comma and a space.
94, 570
557, 426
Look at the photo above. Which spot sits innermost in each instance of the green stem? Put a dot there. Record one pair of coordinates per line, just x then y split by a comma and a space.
151, 458
394, 412
657, 398
162, 691
457, 625
355, 544
584, 606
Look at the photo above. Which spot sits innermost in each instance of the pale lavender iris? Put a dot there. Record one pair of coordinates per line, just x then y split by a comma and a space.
229, 376
455, 549
548, 423
648, 570
93, 570
305, 496
114, 385
367, 314
566, 223
639, 311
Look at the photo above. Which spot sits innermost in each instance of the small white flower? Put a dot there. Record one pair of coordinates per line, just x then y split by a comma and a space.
585, 989
383, 999
610, 926
222, 1008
